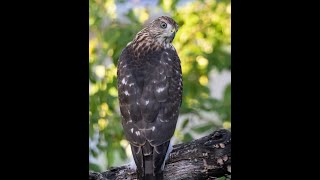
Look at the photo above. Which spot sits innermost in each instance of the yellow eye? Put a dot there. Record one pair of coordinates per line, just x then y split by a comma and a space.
163, 25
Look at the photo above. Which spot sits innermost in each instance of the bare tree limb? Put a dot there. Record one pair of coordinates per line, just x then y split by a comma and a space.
206, 158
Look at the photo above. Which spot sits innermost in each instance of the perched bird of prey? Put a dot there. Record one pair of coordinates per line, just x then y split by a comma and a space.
150, 94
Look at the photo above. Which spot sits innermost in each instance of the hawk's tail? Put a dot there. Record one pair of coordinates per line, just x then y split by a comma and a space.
150, 160
149, 169
151, 177
154, 162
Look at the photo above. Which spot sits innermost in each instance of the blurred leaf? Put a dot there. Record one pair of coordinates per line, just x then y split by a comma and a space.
185, 123
227, 94
187, 137
110, 156
202, 128
94, 167
132, 16
168, 5
94, 153
221, 178
122, 152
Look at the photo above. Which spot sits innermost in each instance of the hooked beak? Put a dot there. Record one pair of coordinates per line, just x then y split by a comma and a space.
173, 34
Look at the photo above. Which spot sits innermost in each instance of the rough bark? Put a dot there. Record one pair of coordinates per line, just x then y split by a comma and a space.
206, 158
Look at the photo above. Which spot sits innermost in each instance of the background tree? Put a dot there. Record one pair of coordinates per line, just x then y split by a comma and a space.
203, 43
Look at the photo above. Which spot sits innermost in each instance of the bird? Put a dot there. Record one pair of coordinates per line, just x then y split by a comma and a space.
149, 81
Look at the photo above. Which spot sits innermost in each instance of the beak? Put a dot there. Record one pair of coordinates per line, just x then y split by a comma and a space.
173, 34
173, 30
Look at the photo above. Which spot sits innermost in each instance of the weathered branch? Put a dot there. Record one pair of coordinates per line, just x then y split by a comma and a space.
206, 158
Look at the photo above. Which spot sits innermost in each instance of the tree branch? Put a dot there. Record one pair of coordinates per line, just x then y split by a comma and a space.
206, 158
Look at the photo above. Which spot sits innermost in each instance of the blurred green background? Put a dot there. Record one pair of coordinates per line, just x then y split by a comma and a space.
203, 43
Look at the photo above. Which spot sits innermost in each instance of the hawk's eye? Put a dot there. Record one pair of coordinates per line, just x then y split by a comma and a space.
163, 25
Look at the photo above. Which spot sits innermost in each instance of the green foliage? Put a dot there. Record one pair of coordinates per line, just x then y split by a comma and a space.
203, 44
94, 167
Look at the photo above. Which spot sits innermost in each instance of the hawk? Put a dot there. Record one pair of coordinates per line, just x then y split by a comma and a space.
150, 94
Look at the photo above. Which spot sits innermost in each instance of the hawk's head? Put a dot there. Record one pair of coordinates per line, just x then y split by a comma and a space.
159, 33
163, 29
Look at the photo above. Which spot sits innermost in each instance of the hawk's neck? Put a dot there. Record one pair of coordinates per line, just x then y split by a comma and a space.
144, 43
